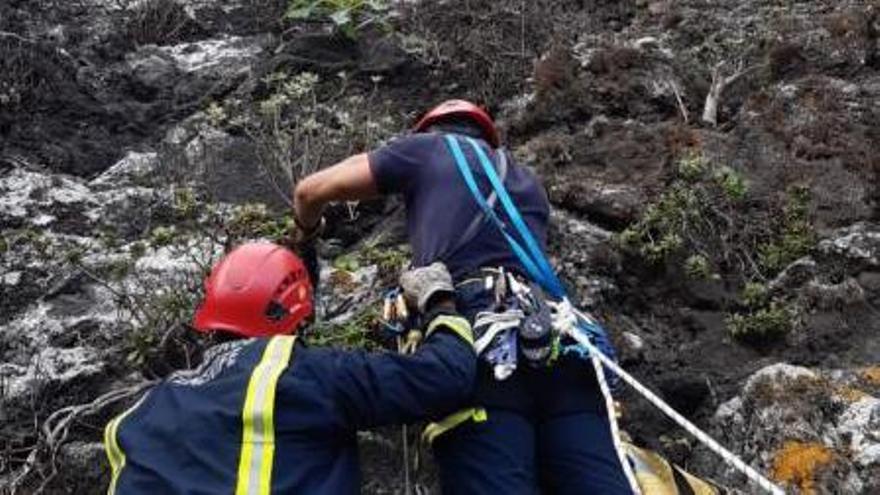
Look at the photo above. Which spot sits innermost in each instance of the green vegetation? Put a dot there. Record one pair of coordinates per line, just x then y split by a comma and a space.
795, 237
707, 224
697, 267
754, 295
702, 223
162, 236
762, 326
253, 220
347, 15
354, 333
388, 259
688, 220
766, 319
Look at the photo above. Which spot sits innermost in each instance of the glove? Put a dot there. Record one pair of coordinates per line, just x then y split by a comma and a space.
301, 235
421, 284
303, 241
308, 253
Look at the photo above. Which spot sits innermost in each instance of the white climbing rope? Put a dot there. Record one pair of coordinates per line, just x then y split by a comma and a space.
728, 456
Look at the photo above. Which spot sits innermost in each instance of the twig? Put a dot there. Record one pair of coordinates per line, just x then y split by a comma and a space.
719, 85
681, 106
57, 426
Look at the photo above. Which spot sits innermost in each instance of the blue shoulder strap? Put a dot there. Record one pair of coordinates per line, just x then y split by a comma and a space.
533, 260
531, 256
468, 176
549, 281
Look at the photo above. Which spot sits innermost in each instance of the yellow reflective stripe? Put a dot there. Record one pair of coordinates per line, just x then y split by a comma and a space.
457, 324
114, 451
258, 419
434, 430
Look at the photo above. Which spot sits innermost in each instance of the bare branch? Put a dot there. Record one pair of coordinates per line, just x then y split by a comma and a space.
719, 85
57, 426
681, 106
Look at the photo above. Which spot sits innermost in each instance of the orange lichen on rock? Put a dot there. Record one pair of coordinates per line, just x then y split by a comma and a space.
797, 462
872, 375
851, 394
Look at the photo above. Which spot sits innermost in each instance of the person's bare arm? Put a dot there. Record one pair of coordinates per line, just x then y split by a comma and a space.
348, 180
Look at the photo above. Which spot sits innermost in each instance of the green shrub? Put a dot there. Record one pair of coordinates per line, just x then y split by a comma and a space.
754, 295
162, 236
732, 183
347, 15
353, 333
765, 325
692, 166
698, 267
796, 236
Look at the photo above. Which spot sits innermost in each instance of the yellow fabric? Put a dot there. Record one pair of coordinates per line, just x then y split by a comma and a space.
699, 486
457, 324
258, 419
434, 430
114, 451
655, 474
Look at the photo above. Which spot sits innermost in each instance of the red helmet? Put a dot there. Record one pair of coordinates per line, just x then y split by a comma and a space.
257, 290
461, 108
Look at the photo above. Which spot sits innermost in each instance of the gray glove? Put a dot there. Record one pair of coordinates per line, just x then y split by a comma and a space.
421, 284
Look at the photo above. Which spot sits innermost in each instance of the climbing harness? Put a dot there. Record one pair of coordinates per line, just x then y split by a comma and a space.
573, 323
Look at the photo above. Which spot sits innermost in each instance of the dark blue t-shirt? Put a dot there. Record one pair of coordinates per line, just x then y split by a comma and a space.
440, 207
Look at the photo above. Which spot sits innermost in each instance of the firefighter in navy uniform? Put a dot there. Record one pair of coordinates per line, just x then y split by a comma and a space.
264, 412
536, 425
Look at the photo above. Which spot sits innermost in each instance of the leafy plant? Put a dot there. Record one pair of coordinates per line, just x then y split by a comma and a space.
698, 267
704, 223
353, 333
765, 325
732, 183
347, 15
754, 295
796, 237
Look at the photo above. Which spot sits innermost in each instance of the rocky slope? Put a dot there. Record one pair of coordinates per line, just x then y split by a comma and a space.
735, 259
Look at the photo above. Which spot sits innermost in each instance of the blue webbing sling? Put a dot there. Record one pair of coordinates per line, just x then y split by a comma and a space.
528, 252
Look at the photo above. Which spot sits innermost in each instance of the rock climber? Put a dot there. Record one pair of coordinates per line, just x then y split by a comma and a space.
264, 412
539, 421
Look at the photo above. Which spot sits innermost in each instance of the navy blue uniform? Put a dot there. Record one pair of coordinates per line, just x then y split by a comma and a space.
439, 207
274, 416
540, 429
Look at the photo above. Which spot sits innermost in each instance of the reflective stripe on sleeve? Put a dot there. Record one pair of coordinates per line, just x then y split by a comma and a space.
434, 430
114, 451
258, 419
457, 324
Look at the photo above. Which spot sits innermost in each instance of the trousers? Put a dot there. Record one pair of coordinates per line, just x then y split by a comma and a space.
546, 431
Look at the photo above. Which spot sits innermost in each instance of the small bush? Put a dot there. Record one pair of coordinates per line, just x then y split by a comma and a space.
707, 222
347, 15
796, 236
765, 325
732, 183
355, 333
754, 295
162, 236
698, 267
